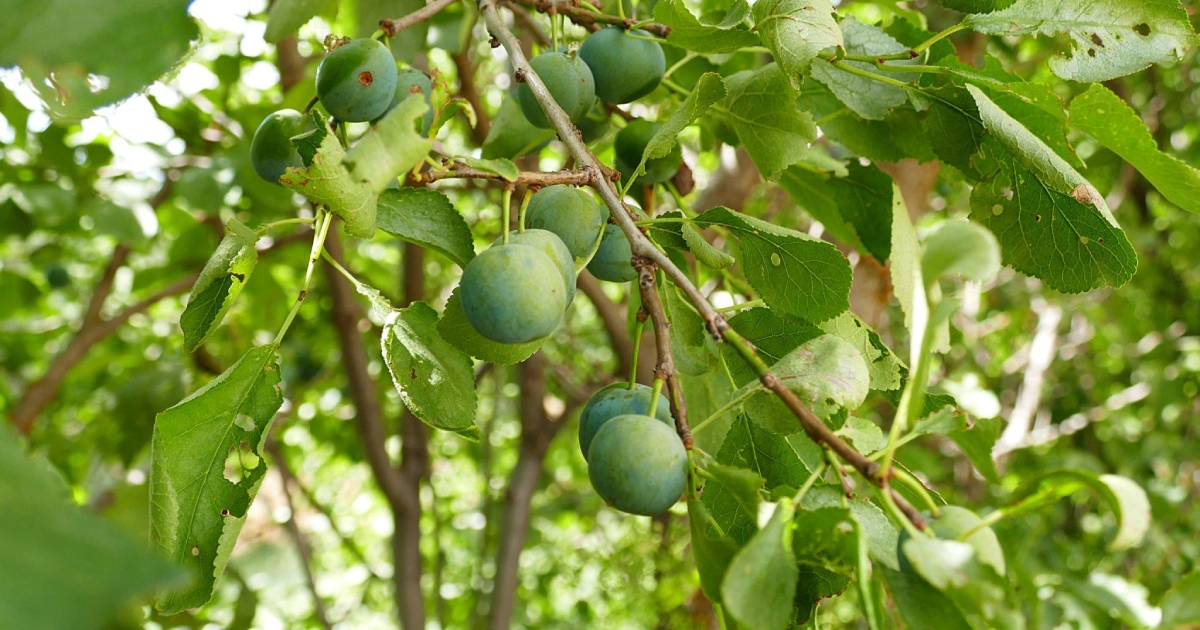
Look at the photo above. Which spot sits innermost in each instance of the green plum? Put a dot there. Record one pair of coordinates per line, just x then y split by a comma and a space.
356, 82
513, 293
511, 135
594, 125
629, 146
568, 80
271, 150
618, 400
411, 81
954, 522
571, 213
551, 245
638, 464
57, 276
613, 261
625, 68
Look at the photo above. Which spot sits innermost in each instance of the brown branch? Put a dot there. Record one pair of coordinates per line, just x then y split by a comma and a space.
665, 369
393, 26
592, 20
530, 25
576, 177
302, 546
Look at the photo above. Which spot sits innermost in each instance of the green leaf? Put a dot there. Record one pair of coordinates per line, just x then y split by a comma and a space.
1181, 604
976, 442
856, 208
116, 221
711, 553
64, 567
826, 551
750, 447
688, 33
773, 335
61, 44
216, 433
703, 250
868, 98
761, 580
435, 380
883, 366
866, 435
921, 605
219, 284
454, 327
762, 111
1125, 498
326, 181
827, 373
795, 31
710, 89
512, 135
951, 567
1109, 38
879, 531
392, 147
1105, 117
426, 217
960, 248
694, 350
796, 274
503, 167
953, 127
742, 484
285, 17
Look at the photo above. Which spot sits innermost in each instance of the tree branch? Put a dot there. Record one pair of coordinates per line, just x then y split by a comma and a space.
393, 26
576, 177
592, 20
665, 369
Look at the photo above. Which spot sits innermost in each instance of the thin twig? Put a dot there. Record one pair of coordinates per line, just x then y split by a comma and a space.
577, 177
592, 20
393, 26
665, 368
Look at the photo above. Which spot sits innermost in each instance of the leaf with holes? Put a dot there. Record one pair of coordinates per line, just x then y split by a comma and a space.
392, 147
206, 467
689, 33
796, 31
325, 180
219, 284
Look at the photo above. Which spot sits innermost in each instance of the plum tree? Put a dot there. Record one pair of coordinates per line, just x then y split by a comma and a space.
954, 522
410, 81
594, 125
551, 245
569, 81
615, 400
513, 293
638, 464
625, 68
271, 150
613, 261
629, 146
569, 212
357, 81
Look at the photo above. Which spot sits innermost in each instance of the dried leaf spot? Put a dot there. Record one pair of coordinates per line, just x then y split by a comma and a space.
1007, 192
1084, 240
997, 209
1091, 52
1100, 240
366, 78
195, 551
1086, 194
775, 259
1142, 29
224, 512
1096, 40
1037, 218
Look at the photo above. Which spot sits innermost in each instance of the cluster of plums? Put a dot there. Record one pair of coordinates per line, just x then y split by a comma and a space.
356, 82
636, 462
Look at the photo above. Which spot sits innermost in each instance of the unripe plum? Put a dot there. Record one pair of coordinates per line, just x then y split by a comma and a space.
568, 80
408, 82
271, 150
552, 246
513, 293
571, 213
625, 68
613, 261
594, 125
629, 146
618, 400
954, 522
357, 81
638, 464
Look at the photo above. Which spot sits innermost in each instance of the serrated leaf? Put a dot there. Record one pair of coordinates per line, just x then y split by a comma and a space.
796, 274
688, 33
742, 484
220, 283
285, 17
1109, 38
960, 248
922, 605
898, 136
953, 127
61, 45
867, 98
454, 327
762, 111
856, 208
703, 250
883, 366
503, 167
712, 552
1105, 117
826, 551
977, 442
694, 350
196, 511
435, 380
326, 181
55, 551
392, 147
866, 435
709, 90
881, 534
427, 218
761, 579
827, 373
795, 31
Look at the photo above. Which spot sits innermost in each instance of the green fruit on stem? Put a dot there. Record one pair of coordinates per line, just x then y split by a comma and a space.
571, 213
954, 522
638, 464
411, 81
551, 245
614, 260
629, 146
594, 125
357, 81
513, 293
618, 400
57, 277
512, 135
625, 68
568, 80
271, 150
